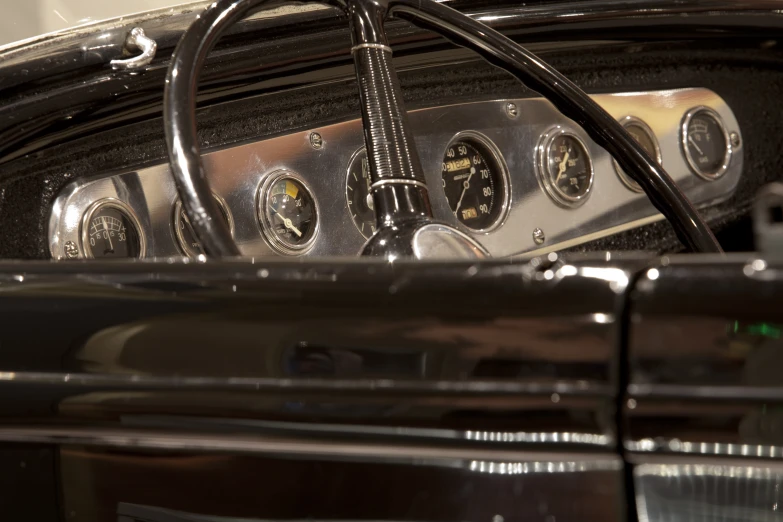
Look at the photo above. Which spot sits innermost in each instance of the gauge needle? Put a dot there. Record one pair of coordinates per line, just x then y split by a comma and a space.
563, 166
690, 138
108, 235
465, 187
289, 225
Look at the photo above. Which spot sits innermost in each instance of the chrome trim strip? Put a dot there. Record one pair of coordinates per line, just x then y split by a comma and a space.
304, 446
371, 46
381, 183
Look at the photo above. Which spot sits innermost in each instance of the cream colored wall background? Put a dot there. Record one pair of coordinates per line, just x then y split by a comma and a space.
26, 18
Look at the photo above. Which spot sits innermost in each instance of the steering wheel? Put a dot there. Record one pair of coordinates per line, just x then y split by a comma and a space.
405, 223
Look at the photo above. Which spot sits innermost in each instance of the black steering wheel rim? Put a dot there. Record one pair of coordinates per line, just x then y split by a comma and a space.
191, 52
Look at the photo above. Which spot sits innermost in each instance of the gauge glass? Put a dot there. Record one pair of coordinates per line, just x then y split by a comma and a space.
474, 180
183, 230
359, 196
566, 168
706, 144
288, 213
110, 231
645, 137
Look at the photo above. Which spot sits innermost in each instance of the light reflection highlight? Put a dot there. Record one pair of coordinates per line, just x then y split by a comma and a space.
595, 439
525, 468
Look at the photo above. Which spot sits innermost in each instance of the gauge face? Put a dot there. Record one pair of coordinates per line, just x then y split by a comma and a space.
183, 230
110, 232
474, 181
566, 168
706, 146
359, 196
645, 137
288, 214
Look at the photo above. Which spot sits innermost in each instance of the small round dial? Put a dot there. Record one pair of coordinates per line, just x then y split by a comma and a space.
474, 181
358, 194
111, 231
644, 135
287, 212
565, 168
706, 143
183, 230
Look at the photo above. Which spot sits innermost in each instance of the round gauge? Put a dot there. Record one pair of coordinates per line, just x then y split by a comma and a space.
111, 231
565, 167
475, 181
644, 135
183, 230
287, 212
359, 195
706, 143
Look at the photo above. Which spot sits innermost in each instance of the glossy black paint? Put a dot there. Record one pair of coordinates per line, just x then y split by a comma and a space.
377, 391
440, 490
369, 343
704, 360
38, 76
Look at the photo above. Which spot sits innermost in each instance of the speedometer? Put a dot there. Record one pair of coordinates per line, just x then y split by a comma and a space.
475, 181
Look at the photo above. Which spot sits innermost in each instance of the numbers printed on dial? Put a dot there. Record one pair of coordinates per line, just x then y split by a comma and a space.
288, 214
706, 145
568, 168
473, 185
111, 233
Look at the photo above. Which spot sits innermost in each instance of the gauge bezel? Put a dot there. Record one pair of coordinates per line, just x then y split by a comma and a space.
178, 231
84, 233
686, 121
499, 162
348, 177
265, 220
542, 167
634, 121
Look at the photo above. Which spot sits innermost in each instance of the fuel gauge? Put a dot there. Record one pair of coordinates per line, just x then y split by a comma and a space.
706, 143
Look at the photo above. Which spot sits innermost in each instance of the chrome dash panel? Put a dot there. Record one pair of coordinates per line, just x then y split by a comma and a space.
235, 173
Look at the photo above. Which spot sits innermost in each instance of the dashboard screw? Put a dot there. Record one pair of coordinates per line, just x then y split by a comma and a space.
71, 252
511, 110
735, 139
316, 141
538, 236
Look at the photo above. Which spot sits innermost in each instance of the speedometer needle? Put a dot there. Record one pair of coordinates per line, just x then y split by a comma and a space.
465, 187
289, 225
108, 234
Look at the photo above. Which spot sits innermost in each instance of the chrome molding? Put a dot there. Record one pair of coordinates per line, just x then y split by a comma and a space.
636, 122
235, 174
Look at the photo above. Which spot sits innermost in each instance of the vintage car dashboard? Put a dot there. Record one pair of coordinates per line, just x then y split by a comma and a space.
513, 173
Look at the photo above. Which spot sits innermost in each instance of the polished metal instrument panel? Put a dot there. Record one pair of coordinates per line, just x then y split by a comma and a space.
237, 172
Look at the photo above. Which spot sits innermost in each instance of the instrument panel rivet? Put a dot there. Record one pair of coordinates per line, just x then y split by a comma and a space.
71, 250
316, 141
735, 139
511, 110
538, 236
